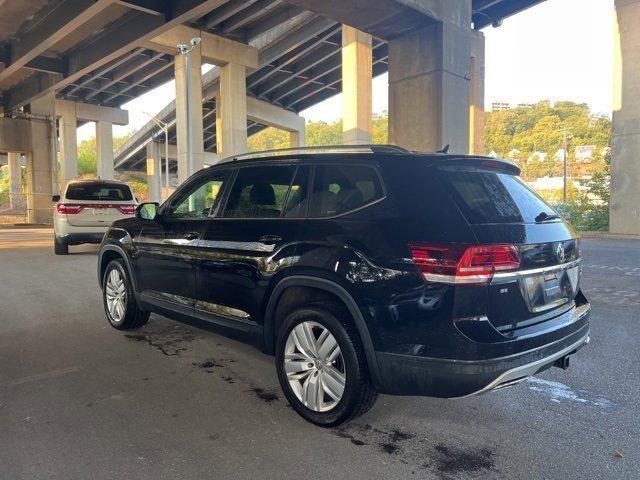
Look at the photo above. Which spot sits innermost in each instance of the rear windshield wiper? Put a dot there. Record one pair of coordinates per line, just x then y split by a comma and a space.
545, 217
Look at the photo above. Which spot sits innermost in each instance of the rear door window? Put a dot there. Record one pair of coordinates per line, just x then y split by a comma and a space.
339, 189
487, 197
259, 192
92, 191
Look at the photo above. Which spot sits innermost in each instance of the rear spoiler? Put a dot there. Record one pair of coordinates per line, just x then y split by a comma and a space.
483, 163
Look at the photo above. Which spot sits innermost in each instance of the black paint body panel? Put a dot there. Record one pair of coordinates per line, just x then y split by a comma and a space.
226, 278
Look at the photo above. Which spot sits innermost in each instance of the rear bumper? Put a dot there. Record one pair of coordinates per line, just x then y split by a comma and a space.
82, 237
449, 378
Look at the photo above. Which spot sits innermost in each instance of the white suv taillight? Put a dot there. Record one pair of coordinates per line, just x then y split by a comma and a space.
68, 209
463, 264
127, 209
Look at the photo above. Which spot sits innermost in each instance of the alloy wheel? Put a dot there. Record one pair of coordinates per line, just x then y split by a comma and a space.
116, 295
314, 366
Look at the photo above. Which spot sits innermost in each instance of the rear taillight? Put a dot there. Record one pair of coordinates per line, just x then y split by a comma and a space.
127, 209
68, 209
463, 264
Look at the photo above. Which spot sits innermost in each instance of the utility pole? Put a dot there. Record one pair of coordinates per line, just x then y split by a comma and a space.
565, 161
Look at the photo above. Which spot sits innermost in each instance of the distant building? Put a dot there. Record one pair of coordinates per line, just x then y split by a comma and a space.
513, 154
493, 154
498, 106
584, 153
559, 155
538, 157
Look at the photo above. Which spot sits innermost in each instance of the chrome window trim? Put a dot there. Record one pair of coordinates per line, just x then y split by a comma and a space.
506, 277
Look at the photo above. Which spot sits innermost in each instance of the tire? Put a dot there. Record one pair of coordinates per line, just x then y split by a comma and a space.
59, 247
358, 395
116, 285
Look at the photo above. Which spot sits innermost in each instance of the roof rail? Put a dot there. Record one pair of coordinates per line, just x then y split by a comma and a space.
344, 149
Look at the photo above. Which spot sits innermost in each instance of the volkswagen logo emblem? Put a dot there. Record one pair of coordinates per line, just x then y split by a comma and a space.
560, 252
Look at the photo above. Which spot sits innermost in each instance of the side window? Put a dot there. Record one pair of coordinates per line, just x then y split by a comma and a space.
298, 199
341, 188
199, 201
259, 192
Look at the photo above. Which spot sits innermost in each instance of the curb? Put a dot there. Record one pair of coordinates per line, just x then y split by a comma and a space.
609, 236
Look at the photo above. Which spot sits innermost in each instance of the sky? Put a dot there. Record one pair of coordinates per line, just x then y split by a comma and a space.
558, 50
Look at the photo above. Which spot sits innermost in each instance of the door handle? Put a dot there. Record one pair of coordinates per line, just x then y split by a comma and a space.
191, 236
270, 239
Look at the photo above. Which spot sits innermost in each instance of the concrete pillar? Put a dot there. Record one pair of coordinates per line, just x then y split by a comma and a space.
476, 110
297, 138
189, 124
68, 124
231, 111
16, 198
625, 165
104, 147
429, 88
39, 162
154, 172
356, 86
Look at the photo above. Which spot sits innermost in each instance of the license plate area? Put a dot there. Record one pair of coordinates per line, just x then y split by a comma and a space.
545, 291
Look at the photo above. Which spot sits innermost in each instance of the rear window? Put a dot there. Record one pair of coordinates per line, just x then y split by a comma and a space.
494, 197
111, 192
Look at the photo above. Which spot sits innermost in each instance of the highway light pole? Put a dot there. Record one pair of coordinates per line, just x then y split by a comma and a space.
186, 50
164, 126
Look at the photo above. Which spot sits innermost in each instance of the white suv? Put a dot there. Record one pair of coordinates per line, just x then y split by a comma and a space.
86, 209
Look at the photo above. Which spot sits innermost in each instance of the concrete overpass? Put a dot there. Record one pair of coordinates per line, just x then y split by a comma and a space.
274, 58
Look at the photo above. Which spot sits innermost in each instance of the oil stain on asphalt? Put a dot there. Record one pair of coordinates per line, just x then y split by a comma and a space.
171, 341
443, 460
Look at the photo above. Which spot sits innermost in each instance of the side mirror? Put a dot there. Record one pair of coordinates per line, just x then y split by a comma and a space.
147, 210
55, 198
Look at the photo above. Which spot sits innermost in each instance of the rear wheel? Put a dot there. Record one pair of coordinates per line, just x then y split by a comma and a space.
322, 366
118, 298
59, 247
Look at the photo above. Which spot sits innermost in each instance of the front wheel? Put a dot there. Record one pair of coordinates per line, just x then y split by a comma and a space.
118, 298
322, 366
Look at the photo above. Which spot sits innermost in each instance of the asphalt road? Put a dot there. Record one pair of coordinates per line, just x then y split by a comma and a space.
80, 400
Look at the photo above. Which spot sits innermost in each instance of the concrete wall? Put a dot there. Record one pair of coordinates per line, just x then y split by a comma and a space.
625, 161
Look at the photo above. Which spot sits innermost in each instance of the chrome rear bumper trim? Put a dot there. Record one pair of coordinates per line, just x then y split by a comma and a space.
520, 373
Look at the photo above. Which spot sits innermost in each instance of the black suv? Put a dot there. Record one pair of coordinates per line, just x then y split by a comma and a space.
364, 270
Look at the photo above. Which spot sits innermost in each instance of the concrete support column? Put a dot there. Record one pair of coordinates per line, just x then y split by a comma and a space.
231, 111
356, 86
104, 147
429, 88
16, 198
189, 121
40, 161
68, 124
476, 110
297, 138
625, 165
154, 172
